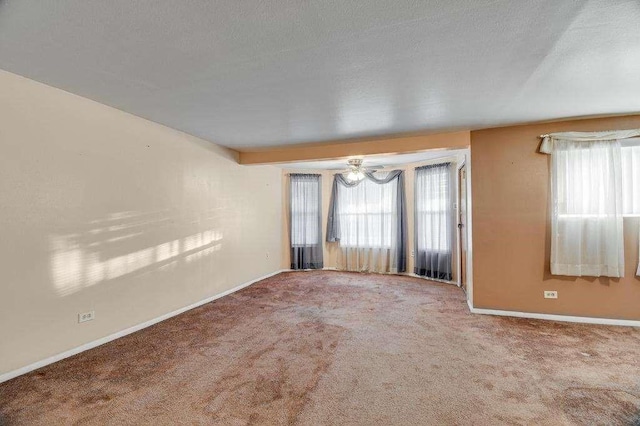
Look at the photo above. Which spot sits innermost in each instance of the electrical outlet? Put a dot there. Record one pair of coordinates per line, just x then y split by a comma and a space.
550, 294
87, 316
413, 253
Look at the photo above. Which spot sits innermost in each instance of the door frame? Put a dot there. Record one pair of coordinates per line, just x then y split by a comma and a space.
469, 263
459, 163
457, 210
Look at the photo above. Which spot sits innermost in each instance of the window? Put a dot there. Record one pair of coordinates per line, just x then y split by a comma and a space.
367, 219
586, 226
579, 195
367, 215
434, 221
433, 207
631, 177
305, 220
585, 176
595, 182
305, 210
631, 181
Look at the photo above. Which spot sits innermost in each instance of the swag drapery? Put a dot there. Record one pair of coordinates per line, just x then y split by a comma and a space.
433, 221
587, 202
305, 232
368, 219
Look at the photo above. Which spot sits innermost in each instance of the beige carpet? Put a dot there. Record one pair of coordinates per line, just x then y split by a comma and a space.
331, 348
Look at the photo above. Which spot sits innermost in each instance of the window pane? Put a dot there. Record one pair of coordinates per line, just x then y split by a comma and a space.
305, 210
366, 213
433, 208
583, 177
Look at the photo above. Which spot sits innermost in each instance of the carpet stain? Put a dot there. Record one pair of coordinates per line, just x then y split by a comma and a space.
601, 406
334, 348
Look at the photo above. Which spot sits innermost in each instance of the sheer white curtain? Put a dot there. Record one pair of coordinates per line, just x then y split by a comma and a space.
631, 182
631, 177
368, 218
586, 226
305, 221
434, 221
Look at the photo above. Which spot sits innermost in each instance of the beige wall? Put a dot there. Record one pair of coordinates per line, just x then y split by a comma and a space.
510, 183
331, 249
104, 211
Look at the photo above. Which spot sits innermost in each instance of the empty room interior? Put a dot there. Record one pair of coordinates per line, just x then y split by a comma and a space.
330, 212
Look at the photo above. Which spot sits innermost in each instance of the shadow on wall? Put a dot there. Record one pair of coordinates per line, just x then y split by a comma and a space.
129, 243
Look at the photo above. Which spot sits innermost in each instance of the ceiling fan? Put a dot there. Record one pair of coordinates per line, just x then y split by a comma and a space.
355, 169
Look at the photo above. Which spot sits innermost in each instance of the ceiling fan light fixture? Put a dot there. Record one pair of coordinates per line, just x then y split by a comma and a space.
355, 175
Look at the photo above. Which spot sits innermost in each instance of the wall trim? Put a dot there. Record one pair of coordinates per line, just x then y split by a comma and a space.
400, 274
338, 149
435, 280
95, 343
308, 270
555, 317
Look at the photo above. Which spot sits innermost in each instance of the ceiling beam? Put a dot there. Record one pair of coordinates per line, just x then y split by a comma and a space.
343, 149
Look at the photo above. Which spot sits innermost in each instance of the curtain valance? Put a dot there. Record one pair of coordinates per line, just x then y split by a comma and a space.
333, 225
548, 141
368, 175
370, 237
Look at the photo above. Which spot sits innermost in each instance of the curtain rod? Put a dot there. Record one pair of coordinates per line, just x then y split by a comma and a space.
307, 174
594, 136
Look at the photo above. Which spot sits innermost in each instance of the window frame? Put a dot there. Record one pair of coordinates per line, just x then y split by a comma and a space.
362, 215
418, 210
625, 144
629, 144
310, 215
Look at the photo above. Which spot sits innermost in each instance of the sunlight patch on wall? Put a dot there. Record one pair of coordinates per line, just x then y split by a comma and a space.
75, 266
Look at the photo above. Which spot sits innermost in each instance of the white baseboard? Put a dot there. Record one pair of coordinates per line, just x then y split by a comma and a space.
402, 274
435, 280
66, 354
554, 317
308, 270
529, 315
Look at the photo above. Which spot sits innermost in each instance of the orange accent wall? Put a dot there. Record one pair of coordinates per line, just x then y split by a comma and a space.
511, 229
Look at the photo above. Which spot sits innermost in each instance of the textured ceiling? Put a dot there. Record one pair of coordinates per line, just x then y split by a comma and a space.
273, 72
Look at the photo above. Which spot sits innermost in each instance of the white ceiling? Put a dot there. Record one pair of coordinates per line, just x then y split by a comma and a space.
385, 161
273, 72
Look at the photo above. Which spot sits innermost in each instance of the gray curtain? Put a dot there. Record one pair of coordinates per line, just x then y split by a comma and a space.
305, 232
434, 229
333, 222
